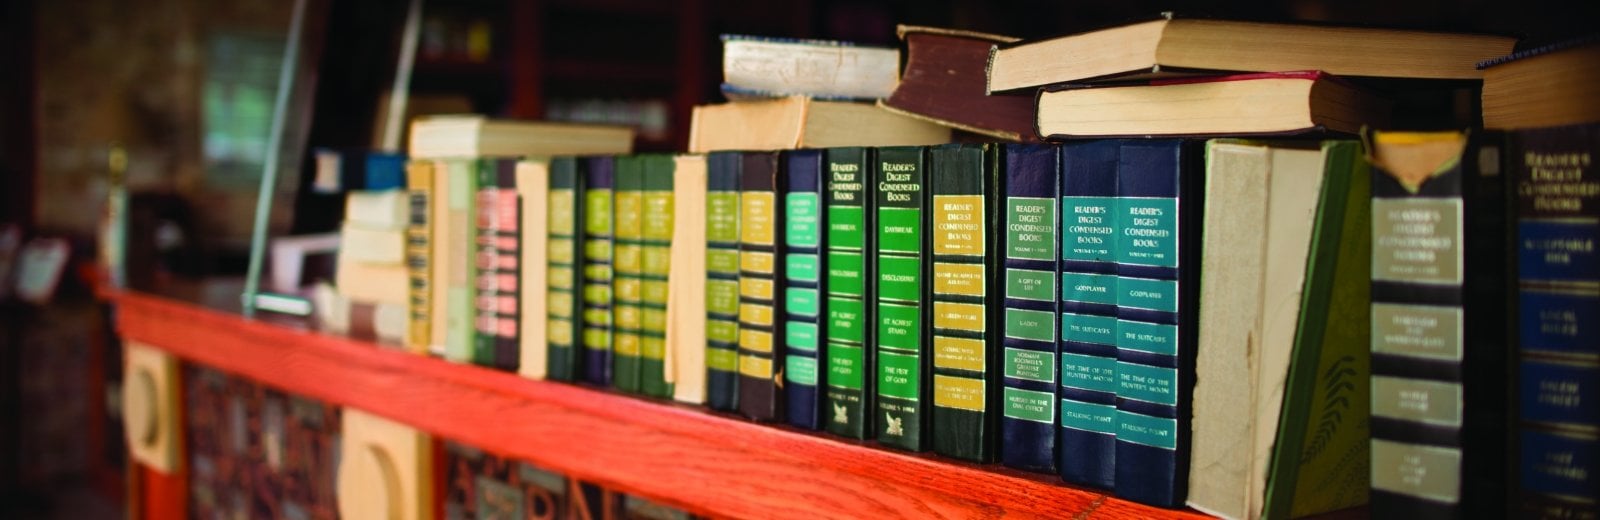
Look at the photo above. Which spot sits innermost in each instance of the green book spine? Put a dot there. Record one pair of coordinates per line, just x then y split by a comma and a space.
460, 332
965, 181
656, 262
903, 296
628, 287
722, 280
851, 300
564, 256
483, 253
760, 271
599, 182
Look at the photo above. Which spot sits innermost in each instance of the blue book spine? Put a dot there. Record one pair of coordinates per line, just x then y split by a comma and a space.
598, 274
722, 281
1558, 298
1028, 358
804, 268
1156, 220
385, 171
1088, 393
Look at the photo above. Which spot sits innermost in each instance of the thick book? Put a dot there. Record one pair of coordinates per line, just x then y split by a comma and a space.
1158, 213
804, 268
722, 280
497, 301
761, 272
1170, 46
945, 80
565, 254
754, 66
686, 281
1028, 351
627, 262
1554, 85
1087, 436
851, 287
1558, 348
1439, 331
533, 281
903, 267
599, 181
801, 122
1238, 104
655, 266
459, 136
419, 254
964, 180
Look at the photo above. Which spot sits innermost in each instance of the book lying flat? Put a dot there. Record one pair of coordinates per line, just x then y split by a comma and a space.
1264, 103
754, 66
1169, 46
475, 136
1554, 85
800, 122
946, 79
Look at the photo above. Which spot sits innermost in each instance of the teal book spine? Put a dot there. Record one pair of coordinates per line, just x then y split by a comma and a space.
804, 306
722, 280
904, 268
565, 255
655, 265
851, 287
966, 313
628, 287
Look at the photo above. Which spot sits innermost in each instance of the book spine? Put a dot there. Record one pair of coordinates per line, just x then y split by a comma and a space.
802, 289
419, 250
760, 220
655, 265
850, 330
722, 280
460, 292
628, 286
1088, 392
483, 259
505, 268
1028, 348
599, 181
1558, 346
1439, 336
903, 297
564, 256
1157, 222
964, 183
497, 197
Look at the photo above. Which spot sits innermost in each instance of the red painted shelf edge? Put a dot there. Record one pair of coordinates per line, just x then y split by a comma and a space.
676, 454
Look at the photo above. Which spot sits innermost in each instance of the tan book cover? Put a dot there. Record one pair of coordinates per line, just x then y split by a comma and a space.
533, 186
801, 122
686, 281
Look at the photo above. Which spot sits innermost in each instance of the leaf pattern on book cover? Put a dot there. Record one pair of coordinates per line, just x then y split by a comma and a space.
1336, 386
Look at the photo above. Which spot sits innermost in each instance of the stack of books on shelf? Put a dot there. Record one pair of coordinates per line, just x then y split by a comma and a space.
1195, 272
368, 296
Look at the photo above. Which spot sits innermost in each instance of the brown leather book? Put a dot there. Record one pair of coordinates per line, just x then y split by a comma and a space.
945, 81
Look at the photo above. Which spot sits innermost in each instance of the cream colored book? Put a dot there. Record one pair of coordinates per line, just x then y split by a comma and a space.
533, 186
372, 282
801, 122
462, 136
377, 210
363, 244
686, 305
439, 268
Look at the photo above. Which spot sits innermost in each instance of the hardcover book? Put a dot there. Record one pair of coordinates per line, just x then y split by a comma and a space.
1558, 348
945, 82
686, 281
904, 298
965, 183
722, 280
1088, 392
419, 252
761, 329
1550, 86
462, 178
754, 66
801, 122
804, 267
498, 301
852, 296
654, 267
565, 253
628, 262
1158, 212
1439, 330
1028, 350
599, 179
533, 282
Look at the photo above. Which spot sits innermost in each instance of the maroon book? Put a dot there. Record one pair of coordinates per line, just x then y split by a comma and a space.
946, 81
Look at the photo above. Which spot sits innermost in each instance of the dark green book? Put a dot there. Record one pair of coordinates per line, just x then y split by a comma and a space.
761, 327
722, 280
628, 286
565, 254
656, 261
965, 182
903, 297
852, 297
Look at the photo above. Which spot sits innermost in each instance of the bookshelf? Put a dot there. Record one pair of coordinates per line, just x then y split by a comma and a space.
676, 454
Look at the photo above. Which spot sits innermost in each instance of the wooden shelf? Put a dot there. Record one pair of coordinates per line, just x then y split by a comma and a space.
680, 455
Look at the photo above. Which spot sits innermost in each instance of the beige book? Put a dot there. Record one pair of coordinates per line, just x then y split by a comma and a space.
533, 186
801, 122
363, 244
374, 283
439, 268
385, 469
464, 136
686, 282
1260, 211
377, 210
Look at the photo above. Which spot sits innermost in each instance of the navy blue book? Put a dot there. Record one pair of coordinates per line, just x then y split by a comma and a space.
1558, 342
722, 281
761, 271
1159, 193
599, 174
1028, 353
802, 290
1088, 435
